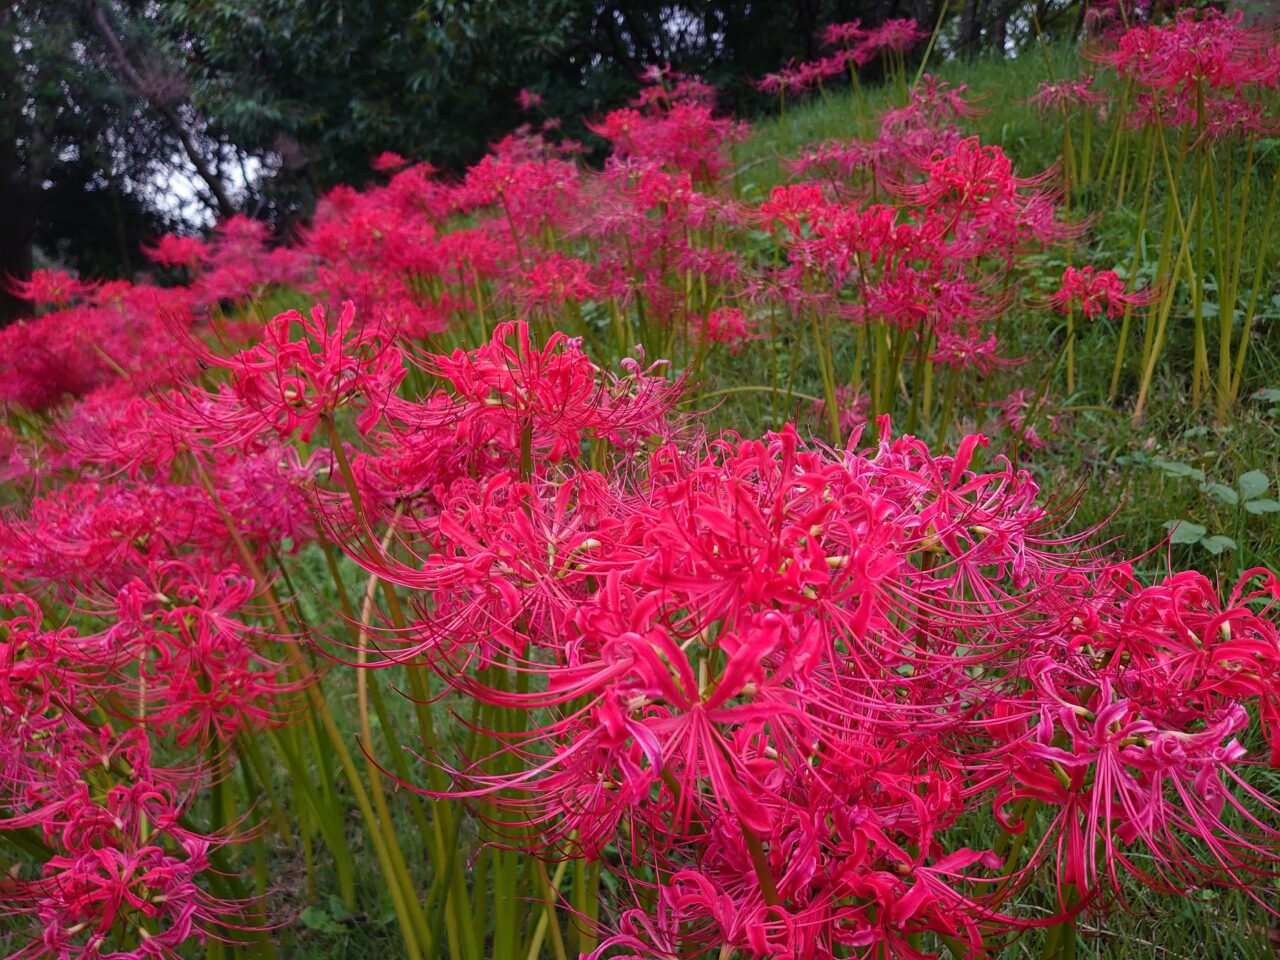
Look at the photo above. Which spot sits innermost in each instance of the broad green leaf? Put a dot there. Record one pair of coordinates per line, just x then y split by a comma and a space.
1217, 543
1262, 505
1222, 492
315, 918
1175, 469
1185, 532
1253, 484
339, 910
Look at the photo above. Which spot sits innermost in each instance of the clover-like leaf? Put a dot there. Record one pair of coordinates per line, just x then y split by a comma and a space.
1262, 505
1175, 469
315, 918
1222, 492
1217, 543
1253, 484
1184, 531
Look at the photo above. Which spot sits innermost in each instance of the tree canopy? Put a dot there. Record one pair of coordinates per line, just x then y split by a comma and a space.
260, 105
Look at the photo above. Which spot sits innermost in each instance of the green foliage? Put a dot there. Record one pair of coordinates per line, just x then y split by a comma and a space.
76, 148
312, 89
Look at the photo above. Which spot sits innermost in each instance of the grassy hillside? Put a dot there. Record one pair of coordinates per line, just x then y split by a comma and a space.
1141, 476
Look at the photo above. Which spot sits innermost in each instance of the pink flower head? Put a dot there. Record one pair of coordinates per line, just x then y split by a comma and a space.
894, 35
125, 874
843, 34
970, 176
731, 326
1097, 292
941, 102
674, 128
307, 367
1015, 408
207, 675
1206, 47
546, 399
852, 405
49, 288
172, 250
528, 100
557, 279
388, 162
793, 204
1067, 95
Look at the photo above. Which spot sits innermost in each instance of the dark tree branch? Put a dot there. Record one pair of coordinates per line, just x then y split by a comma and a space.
168, 110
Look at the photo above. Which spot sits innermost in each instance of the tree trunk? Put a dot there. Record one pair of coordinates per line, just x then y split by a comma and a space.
1000, 28
15, 239
969, 28
18, 194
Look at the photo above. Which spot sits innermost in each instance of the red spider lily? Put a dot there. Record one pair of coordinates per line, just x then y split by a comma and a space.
509, 403
268, 492
972, 177
530, 186
290, 382
49, 288
1199, 71
677, 130
1015, 408
853, 406
114, 427
1097, 292
729, 325
791, 204
558, 279
127, 333
388, 162
202, 676
928, 265
127, 866
92, 532
1132, 790
1067, 95
701, 641
784, 81
842, 33
172, 250
939, 101
894, 35
546, 398
19, 458
121, 859
1199, 47
795, 80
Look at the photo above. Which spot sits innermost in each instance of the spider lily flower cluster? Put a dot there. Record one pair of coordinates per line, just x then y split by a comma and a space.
858, 48
765, 680
85, 794
673, 690
1194, 99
